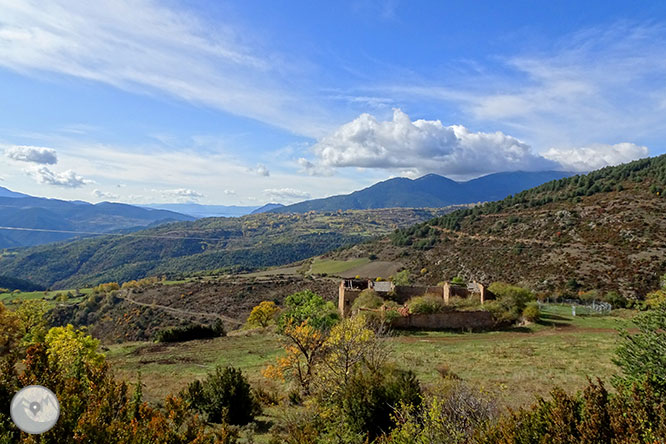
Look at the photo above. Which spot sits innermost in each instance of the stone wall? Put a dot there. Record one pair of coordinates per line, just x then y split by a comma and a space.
403, 293
452, 320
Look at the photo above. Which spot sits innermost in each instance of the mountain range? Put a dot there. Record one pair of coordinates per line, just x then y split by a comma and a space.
62, 220
22, 217
430, 191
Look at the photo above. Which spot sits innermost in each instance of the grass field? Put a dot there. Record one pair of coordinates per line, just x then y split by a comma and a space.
11, 299
514, 364
334, 267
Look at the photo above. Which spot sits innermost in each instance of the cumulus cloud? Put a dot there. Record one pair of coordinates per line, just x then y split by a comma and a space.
286, 194
182, 194
33, 154
309, 168
414, 148
596, 156
230, 192
426, 146
67, 179
260, 170
103, 195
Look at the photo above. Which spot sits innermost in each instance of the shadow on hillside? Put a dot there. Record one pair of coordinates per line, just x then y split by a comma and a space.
553, 320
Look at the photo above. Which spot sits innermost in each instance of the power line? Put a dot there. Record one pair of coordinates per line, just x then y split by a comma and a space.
93, 233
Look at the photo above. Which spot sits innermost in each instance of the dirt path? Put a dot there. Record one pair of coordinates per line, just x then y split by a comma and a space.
126, 297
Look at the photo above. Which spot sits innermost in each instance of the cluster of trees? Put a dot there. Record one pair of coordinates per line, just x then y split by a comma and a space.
421, 236
95, 406
651, 171
191, 332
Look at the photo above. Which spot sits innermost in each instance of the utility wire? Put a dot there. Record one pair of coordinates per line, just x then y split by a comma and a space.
93, 233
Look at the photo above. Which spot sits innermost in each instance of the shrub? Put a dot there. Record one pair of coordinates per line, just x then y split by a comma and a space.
191, 332
368, 402
427, 304
510, 303
616, 299
531, 312
643, 355
458, 280
368, 298
401, 278
224, 396
263, 314
307, 306
451, 415
634, 415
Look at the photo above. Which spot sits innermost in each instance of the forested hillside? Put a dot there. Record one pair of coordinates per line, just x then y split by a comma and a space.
226, 244
605, 230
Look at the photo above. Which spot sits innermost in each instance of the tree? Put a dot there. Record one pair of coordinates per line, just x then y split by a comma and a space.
401, 278
307, 306
303, 351
263, 314
95, 407
224, 396
351, 344
643, 354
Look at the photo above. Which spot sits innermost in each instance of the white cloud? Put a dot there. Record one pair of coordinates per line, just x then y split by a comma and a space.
596, 156
424, 146
309, 168
67, 179
182, 194
230, 192
33, 154
103, 195
260, 170
286, 194
148, 46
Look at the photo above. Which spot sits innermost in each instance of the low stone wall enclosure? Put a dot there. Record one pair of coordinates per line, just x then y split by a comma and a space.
452, 320
350, 289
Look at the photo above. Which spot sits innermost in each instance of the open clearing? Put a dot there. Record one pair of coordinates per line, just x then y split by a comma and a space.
515, 364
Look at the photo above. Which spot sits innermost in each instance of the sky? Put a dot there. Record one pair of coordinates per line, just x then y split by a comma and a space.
248, 102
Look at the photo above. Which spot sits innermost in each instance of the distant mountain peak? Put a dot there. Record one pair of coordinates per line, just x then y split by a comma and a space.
268, 207
4, 192
429, 191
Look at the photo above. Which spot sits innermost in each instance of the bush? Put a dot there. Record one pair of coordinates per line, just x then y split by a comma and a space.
634, 415
531, 312
368, 298
263, 314
307, 306
510, 303
224, 396
643, 355
426, 305
616, 299
191, 332
451, 415
401, 278
368, 402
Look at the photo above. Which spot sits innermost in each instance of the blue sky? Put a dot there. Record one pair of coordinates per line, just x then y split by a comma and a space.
257, 101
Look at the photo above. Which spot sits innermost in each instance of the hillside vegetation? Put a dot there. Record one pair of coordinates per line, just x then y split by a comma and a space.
602, 231
222, 244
